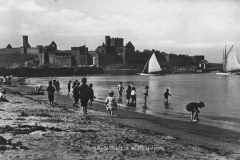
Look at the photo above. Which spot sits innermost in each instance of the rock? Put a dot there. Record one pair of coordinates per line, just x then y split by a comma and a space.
8, 128
23, 114
3, 141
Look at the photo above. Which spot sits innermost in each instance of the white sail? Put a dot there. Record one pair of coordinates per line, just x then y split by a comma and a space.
232, 62
153, 65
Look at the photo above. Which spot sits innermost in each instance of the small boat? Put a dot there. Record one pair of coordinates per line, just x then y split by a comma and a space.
152, 67
230, 62
223, 74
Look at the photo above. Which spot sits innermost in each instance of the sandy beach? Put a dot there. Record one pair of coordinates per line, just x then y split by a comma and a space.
31, 129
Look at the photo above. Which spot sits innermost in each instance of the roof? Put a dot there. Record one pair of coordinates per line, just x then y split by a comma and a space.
52, 44
99, 48
9, 46
129, 44
28, 45
203, 62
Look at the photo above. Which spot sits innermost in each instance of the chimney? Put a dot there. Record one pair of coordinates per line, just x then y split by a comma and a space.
25, 42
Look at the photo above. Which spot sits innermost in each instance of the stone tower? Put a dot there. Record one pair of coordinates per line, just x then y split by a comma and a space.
25, 42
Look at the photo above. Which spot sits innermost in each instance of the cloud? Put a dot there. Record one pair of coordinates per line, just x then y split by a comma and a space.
29, 6
148, 24
3, 9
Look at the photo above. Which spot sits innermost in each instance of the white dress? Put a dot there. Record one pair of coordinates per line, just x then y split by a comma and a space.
111, 102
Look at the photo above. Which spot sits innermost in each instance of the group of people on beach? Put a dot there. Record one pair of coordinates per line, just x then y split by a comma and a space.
131, 94
192, 107
6, 80
85, 94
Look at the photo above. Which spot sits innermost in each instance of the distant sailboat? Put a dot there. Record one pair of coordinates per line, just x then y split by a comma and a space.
231, 63
152, 67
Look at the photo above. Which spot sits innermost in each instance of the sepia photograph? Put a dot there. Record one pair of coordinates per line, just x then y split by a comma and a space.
119, 79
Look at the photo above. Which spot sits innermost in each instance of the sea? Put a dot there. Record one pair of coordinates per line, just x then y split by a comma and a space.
221, 94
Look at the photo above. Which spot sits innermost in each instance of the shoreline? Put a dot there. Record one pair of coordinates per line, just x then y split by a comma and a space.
225, 123
186, 133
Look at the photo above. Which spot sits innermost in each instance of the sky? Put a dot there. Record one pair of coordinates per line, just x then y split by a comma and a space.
190, 27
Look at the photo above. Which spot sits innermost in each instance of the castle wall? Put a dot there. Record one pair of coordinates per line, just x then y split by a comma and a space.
82, 60
119, 42
80, 55
76, 57
58, 60
127, 51
10, 51
119, 50
45, 72
109, 59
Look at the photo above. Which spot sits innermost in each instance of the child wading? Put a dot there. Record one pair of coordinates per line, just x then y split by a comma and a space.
128, 93
133, 96
145, 95
166, 94
91, 94
84, 95
57, 86
69, 86
111, 104
193, 107
120, 89
50, 90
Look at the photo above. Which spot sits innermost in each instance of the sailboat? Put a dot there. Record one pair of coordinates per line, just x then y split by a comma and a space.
152, 67
230, 62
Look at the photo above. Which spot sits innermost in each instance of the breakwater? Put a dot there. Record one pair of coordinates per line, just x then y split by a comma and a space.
46, 72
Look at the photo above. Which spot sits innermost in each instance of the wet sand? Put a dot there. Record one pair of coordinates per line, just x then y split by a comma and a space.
37, 130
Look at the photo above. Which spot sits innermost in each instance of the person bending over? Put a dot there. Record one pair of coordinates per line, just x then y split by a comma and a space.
193, 108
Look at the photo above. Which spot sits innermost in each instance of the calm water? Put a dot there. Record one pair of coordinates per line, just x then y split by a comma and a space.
221, 94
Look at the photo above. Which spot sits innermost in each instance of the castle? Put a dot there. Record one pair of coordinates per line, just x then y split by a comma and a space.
33, 57
112, 51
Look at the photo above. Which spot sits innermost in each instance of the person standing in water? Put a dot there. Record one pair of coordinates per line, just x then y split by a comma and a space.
120, 89
166, 95
57, 86
145, 95
69, 86
128, 93
133, 96
84, 95
50, 90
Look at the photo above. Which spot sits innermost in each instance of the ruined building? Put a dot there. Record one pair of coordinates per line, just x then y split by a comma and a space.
80, 56
27, 56
23, 56
113, 51
56, 58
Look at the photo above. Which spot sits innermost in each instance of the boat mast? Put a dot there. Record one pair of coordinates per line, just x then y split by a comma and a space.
145, 67
230, 50
225, 59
